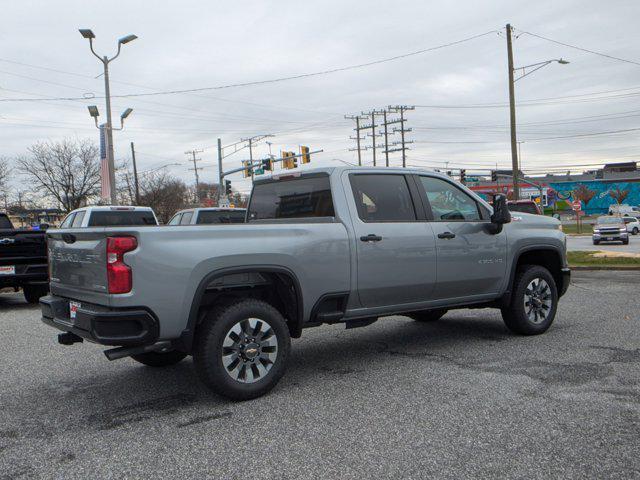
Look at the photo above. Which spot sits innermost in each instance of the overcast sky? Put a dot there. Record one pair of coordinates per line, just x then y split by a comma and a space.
195, 44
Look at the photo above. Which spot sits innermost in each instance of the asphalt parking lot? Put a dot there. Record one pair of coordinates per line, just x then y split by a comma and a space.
460, 398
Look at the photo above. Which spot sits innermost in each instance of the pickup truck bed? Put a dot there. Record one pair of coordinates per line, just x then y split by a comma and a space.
338, 245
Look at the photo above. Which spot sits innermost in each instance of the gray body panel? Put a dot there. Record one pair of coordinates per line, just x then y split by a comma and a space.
412, 270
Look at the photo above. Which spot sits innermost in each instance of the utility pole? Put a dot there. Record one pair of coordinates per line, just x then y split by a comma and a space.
357, 138
512, 114
401, 109
221, 189
135, 174
195, 170
386, 138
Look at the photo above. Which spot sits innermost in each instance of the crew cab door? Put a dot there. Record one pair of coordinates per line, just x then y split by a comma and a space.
395, 248
471, 260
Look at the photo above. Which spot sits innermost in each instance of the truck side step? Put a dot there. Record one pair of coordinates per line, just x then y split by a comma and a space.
360, 322
121, 352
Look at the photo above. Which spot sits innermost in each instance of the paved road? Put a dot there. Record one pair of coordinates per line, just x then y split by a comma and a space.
585, 243
461, 398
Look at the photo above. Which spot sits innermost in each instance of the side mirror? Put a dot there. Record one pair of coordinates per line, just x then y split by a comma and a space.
501, 213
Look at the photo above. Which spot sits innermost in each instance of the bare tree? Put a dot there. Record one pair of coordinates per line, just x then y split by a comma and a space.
619, 195
4, 173
164, 193
584, 194
66, 171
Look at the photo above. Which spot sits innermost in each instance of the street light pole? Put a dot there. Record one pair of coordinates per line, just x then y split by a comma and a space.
512, 103
512, 116
88, 34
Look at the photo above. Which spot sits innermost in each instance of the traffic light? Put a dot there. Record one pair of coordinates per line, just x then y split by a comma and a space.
290, 161
227, 187
306, 157
463, 176
267, 164
247, 168
494, 176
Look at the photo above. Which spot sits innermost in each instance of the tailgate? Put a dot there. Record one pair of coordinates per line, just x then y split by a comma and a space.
19, 247
78, 264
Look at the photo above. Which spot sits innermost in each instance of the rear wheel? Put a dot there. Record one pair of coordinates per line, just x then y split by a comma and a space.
160, 359
242, 349
32, 293
533, 301
428, 315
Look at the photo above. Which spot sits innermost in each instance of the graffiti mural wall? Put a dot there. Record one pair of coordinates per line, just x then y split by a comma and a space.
602, 193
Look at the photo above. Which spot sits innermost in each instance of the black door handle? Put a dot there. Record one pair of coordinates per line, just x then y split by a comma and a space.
447, 235
371, 238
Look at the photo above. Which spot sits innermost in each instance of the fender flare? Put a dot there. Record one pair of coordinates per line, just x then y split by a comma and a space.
506, 298
187, 335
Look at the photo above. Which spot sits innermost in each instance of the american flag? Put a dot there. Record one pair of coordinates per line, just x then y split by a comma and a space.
105, 186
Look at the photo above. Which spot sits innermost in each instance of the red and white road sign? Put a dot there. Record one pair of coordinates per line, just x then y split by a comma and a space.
576, 205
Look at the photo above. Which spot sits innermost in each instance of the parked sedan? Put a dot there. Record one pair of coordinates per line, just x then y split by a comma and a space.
633, 224
610, 229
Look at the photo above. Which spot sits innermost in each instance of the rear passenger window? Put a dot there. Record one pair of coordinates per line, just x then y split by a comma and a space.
303, 197
382, 198
77, 222
186, 218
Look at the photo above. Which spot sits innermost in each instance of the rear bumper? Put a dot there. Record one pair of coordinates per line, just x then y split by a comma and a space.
117, 327
566, 279
26, 275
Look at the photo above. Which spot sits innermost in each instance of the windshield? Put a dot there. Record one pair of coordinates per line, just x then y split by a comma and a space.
121, 218
609, 220
221, 216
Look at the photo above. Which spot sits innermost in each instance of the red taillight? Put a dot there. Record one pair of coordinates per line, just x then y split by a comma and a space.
118, 272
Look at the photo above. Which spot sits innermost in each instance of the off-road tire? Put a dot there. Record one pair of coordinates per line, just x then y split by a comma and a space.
515, 315
208, 348
32, 293
428, 315
160, 359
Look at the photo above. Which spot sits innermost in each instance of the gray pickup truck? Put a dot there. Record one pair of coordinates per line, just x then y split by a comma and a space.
332, 245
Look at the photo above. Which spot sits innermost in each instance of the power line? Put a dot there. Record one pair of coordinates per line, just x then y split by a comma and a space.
262, 82
581, 48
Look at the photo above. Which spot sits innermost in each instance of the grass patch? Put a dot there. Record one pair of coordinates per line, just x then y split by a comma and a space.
587, 229
586, 259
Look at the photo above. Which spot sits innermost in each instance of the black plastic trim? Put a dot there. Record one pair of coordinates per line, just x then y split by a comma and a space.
329, 296
106, 327
506, 298
186, 338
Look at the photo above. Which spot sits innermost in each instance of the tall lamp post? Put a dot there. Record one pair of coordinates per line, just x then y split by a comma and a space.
512, 104
88, 34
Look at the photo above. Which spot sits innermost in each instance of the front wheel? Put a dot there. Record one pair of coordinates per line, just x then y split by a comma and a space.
625, 242
596, 242
32, 293
635, 231
242, 349
534, 301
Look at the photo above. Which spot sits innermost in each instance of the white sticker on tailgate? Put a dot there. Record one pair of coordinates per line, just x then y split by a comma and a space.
73, 309
8, 270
